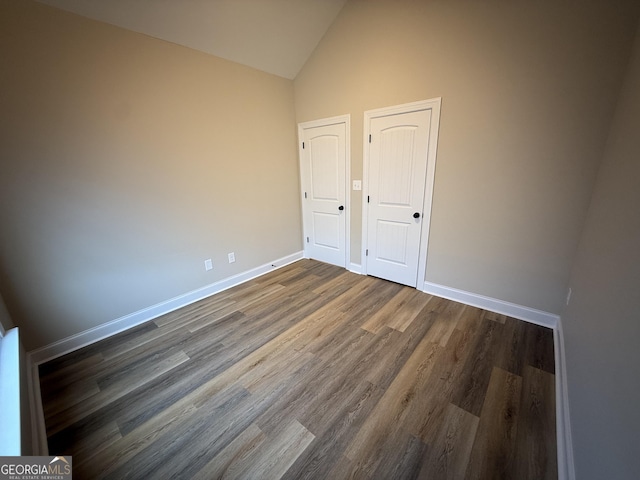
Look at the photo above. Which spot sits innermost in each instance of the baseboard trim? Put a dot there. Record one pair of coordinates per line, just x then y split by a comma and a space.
520, 312
566, 467
355, 268
36, 357
95, 334
67, 345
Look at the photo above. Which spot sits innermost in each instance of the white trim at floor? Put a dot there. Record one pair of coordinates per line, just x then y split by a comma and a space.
355, 268
566, 467
82, 339
530, 315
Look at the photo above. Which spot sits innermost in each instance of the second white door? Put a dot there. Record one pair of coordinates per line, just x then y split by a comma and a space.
398, 154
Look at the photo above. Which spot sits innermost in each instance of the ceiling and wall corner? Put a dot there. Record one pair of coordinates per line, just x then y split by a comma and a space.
275, 36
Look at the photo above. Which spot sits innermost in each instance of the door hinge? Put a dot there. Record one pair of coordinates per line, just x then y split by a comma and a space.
367, 198
303, 145
366, 252
305, 194
369, 138
307, 239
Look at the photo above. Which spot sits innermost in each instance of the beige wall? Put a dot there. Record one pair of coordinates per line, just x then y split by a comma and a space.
602, 323
126, 161
528, 90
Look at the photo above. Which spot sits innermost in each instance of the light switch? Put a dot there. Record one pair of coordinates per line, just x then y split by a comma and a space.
357, 184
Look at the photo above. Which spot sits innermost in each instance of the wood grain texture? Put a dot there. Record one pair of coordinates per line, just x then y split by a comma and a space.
310, 372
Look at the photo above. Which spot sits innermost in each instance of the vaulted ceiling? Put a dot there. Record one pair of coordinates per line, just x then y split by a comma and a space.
275, 36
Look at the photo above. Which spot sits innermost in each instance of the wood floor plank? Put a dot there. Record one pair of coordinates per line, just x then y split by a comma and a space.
91, 350
447, 316
95, 444
232, 460
399, 312
54, 381
473, 382
495, 448
190, 313
310, 372
446, 378
338, 284
509, 351
208, 428
125, 448
337, 431
449, 452
391, 360
75, 412
539, 347
272, 457
390, 417
494, 317
71, 395
536, 441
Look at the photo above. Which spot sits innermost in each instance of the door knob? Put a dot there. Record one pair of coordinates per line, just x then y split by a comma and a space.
341, 207
416, 215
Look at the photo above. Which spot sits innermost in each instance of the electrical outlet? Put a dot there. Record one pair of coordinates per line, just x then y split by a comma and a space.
208, 264
232, 257
568, 296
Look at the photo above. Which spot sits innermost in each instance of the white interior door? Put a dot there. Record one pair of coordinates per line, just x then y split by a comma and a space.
398, 159
323, 169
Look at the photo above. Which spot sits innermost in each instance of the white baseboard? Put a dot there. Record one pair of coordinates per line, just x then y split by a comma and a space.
527, 314
566, 467
67, 345
82, 339
36, 357
355, 268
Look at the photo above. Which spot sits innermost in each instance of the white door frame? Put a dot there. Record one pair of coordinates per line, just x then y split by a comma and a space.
324, 122
433, 105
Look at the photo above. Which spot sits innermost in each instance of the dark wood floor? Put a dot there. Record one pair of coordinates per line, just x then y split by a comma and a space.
310, 372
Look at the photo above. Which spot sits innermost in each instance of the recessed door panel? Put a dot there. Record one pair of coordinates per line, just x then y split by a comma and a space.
326, 230
325, 158
392, 242
396, 165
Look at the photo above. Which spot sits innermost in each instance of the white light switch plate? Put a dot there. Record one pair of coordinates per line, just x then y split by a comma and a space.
357, 184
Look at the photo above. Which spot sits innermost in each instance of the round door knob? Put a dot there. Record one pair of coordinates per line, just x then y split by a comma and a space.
416, 215
341, 207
